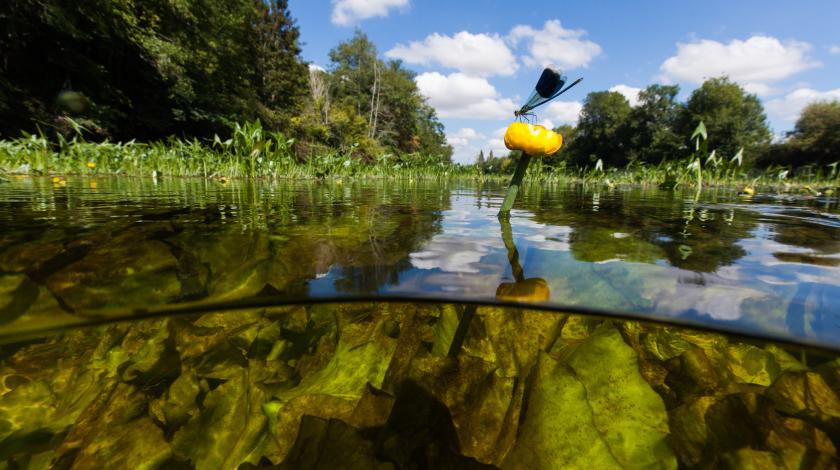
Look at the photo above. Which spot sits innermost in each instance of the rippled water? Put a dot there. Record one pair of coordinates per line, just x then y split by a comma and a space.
272, 335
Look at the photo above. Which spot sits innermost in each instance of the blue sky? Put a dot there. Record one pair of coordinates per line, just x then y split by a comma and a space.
477, 60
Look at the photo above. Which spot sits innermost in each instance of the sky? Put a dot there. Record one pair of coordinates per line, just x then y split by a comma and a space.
477, 60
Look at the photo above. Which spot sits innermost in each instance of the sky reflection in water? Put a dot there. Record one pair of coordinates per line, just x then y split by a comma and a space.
769, 265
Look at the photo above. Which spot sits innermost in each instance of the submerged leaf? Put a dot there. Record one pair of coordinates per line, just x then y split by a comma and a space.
230, 426
592, 412
750, 364
629, 415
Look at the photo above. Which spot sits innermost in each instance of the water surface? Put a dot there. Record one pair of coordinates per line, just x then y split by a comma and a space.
261, 328
91, 249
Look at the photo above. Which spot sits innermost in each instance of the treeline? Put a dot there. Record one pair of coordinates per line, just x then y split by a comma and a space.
371, 105
658, 130
150, 69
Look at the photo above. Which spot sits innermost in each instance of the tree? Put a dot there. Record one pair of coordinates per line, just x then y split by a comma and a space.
599, 128
430, 135
733, 118
650, 129
380, 104
479, 162
281, 74
147, 68
564, 154
816, 136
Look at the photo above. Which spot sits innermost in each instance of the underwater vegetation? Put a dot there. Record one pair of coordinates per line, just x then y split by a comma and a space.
376, 385
94, 374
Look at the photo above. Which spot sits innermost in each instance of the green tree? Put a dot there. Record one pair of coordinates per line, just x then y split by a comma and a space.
281, 74
650, 129
381, 104
146, 68
430, 135
816, 136
733, 118
599, 130
479, 162
564, 154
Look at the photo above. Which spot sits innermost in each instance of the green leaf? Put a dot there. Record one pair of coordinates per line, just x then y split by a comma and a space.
578, 416
229, 428
739, 157
700, 130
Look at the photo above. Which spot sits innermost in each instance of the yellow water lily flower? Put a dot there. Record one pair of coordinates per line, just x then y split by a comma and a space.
534, 289
91, 165
532, 139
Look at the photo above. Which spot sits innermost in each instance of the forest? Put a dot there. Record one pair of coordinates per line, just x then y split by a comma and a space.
148, 70
658, 130
193, 74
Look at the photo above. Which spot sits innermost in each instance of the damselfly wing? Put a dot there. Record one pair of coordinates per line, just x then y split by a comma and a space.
549, 86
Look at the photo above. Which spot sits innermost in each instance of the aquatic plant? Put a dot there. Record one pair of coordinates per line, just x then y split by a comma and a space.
254, 153
378, 383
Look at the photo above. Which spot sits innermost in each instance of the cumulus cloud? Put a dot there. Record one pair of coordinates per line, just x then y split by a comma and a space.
629, 92
834, 49
554, 44
496, 143
563, 112
348, 12
787, 109
475, 54
463, 137
760, 89
467, 142
755, 62
459, 95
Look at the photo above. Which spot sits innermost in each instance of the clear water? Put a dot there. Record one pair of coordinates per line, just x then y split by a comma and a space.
114, 248
191, 324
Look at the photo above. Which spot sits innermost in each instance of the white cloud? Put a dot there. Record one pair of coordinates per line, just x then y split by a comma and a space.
348, 12
463, 137
787, 109
834, 49
496, 143
556, 45
755, 62
458, 95
760, 89
475, 54
317, 67
563, 112
467, 142
629, 92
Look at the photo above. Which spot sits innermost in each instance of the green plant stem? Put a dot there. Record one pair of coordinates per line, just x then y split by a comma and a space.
515, 183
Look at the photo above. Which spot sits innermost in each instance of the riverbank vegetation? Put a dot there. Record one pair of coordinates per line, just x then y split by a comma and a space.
219, 89
146, 71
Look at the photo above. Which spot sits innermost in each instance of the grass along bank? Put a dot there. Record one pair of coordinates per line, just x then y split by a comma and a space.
252, 152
